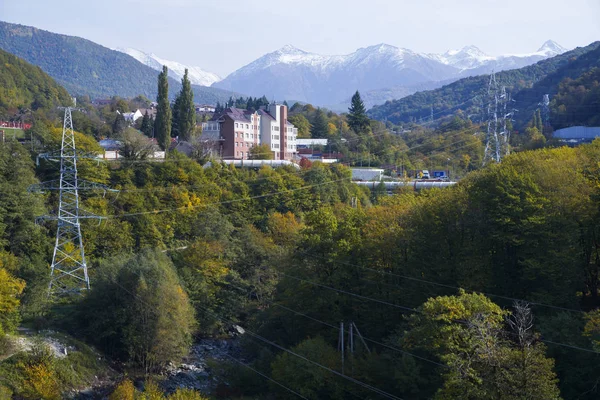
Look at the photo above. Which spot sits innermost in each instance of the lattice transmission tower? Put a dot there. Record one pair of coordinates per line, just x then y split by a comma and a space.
68, 271
545, 110
497, 142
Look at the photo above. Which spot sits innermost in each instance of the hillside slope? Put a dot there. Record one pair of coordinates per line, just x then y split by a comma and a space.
84, 67
23, 85
465, 94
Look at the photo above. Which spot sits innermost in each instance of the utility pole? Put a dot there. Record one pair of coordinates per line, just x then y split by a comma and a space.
341, 344
68, 271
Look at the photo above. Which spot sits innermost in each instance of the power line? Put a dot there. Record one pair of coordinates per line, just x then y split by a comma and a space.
356, 381
446, 285
265, 376
418, 311
350, 293
364, 337
349, 378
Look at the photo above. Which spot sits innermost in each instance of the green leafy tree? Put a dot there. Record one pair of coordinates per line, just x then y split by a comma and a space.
162, 123
302, 124
304, 377
465, 332
261, 152
357, 114
135, 145
139, 312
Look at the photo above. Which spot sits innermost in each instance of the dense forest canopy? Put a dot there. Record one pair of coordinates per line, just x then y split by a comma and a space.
23, 86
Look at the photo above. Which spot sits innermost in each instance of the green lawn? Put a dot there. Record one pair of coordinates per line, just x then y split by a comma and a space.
13, 133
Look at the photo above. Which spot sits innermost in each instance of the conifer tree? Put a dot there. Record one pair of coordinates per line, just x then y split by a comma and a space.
320, 125
146, 127
162, 123
175, 107
540, 124
184, 113
534, 122
357, 114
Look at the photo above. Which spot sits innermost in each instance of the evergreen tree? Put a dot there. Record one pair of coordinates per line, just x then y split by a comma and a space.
320, 127
175, 107
218, 108
357, 114
250, 105
540, 124
186, 113
120, 124
146, 127
162, 123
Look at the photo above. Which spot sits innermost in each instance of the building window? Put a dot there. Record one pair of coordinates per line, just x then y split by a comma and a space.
236, 124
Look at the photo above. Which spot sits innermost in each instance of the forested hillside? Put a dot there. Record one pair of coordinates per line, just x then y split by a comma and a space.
189, 252
466, 94
578, 101
86, 68
24, 86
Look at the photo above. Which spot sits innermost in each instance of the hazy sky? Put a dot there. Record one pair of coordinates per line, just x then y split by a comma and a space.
223, 35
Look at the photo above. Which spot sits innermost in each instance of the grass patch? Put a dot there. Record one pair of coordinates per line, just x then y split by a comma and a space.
13, 133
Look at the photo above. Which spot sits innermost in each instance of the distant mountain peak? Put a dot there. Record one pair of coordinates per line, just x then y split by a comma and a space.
290, 49
551, 47
197, 75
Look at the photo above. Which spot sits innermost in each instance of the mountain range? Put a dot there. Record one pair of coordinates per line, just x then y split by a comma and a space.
527, 86
196, 75
87, 68
384, 71
381, 72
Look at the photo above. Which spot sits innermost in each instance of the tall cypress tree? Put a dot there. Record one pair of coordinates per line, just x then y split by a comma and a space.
186, 112
540, 123
175, 107
162, 123
357, 114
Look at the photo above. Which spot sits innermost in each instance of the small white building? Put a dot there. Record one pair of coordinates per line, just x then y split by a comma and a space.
131, 117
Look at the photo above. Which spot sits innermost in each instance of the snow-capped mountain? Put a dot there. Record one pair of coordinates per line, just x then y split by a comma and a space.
294, 74
196, 75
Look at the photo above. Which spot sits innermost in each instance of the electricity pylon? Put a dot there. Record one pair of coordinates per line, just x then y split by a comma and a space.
498, 136
68, 271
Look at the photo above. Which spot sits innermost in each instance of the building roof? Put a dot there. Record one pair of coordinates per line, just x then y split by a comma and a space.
236, 114
265, 113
